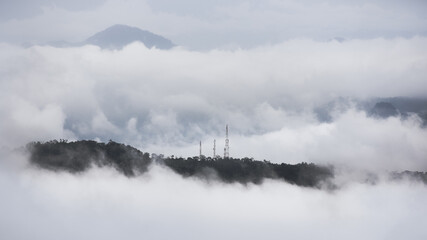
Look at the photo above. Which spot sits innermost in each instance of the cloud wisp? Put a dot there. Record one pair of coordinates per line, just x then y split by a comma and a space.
101, 203
166, 101
292, 79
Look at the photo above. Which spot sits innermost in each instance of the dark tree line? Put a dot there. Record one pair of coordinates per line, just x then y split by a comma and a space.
413, 175
247, 170
78, 156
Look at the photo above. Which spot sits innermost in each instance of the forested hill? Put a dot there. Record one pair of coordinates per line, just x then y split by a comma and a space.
79, 156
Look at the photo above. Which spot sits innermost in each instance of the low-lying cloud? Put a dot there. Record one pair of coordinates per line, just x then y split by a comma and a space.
160, 204
166, 101
297, 100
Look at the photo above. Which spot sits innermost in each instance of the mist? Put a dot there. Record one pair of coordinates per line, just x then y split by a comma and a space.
295, 81
101, 203
214, 24
166, 101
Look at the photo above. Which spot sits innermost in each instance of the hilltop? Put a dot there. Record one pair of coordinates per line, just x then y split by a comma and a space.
79, 156
117, 37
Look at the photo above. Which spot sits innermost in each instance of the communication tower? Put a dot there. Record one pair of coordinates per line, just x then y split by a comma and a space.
227, 147
200, 150
214, 149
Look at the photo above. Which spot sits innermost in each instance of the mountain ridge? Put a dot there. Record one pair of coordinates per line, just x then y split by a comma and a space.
116, 37
119, 35
79, 156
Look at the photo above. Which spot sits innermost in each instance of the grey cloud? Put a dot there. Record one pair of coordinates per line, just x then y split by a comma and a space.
268, 87
21, 9
161, 205
225, 24
166, 101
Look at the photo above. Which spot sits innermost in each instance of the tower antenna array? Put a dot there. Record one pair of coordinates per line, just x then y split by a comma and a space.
214, 149
227, 147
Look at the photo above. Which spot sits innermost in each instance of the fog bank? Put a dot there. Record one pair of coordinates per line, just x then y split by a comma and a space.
167, 101
161, 205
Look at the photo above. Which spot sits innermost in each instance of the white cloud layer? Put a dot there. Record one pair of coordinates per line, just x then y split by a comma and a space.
166, 101
102, 204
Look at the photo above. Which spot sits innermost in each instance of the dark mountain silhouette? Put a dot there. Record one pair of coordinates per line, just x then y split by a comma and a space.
376, 107
79, 156
405, 106
383, 110
118, 36
412, 175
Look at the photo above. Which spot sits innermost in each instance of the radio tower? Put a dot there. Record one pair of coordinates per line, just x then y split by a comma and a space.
227, 147
200, 150
214, 149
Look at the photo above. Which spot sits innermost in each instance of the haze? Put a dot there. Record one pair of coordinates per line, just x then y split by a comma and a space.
294, 80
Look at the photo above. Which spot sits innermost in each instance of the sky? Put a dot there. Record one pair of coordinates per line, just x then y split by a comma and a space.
213, 24
263, 68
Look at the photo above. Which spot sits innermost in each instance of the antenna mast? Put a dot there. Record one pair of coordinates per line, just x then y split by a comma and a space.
200, 150
227, 147
214, 149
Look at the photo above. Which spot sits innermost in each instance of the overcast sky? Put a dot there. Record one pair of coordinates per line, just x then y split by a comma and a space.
167, 101
262, 67
213, 24
266, 68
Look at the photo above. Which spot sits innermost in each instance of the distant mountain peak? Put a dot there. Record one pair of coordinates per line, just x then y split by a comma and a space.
384, 110
119, 35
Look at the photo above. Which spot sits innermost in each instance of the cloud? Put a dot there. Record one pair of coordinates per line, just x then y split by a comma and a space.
225, 24
352, 140
166, 101
22, 9
102, 203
